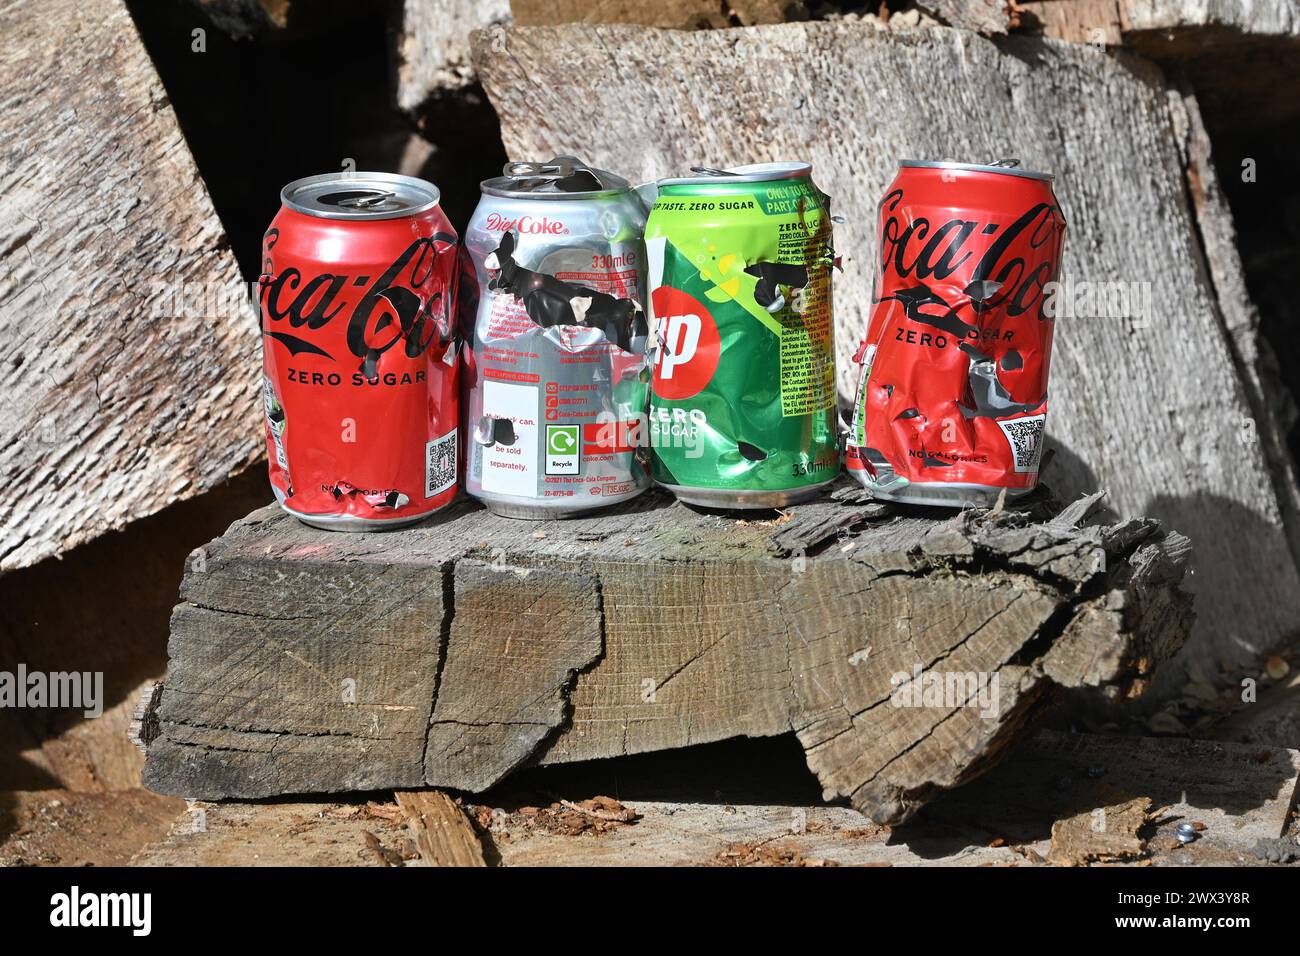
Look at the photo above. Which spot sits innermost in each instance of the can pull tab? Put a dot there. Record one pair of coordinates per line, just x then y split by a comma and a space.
1006, 163
555, 169
565, 173
367, 201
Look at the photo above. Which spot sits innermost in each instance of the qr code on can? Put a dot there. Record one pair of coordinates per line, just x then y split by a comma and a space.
440, 464
1025, 436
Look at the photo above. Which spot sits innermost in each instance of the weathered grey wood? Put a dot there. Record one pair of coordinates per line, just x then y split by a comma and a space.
442, 833
1271, 408
989, 17
433, 47
1273, 17
1128, 413
130, 382
511, 657
476, 643
1233, 52
1203, 22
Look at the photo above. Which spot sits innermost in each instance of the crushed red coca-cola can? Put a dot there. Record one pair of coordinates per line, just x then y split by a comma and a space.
360, 351
951, 406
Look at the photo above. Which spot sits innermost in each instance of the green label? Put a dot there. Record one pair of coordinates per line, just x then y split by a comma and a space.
743, 393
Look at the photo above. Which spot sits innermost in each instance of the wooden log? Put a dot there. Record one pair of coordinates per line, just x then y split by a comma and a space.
443, 834
989, 17
1206, 23
132, 365
451, 653
433, 60
1232, 52
1127, 415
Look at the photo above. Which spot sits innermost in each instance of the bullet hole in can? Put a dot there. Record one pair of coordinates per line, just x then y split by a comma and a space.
1012, 361
494, 431
376, 499
370, 364
910, 413
751, 452
771, 276
982, 289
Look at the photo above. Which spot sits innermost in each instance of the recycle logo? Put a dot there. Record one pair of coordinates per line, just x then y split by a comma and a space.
562, 439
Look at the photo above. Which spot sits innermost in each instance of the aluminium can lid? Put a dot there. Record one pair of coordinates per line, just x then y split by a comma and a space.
1006, 167
564, 177
748, 173
360, 196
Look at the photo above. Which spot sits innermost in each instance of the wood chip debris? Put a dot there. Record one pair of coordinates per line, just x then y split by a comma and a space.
1106, 834
766, 853
595, 815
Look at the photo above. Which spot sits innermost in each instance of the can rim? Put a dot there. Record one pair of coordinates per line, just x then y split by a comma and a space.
977, 168
499, 186
747, 173
430, 199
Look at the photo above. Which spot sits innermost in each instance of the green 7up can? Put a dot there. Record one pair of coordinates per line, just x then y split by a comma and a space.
742, 406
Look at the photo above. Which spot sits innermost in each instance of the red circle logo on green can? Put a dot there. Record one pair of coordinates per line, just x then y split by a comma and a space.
688, 344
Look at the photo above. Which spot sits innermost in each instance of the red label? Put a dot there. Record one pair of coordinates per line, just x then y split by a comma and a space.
360, 355
959, 343
608, 438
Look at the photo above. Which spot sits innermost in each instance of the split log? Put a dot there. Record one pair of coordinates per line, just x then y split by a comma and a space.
989, 17
433, 60
1128, 414
1233, 52
451, 653
132, 365
1205, 23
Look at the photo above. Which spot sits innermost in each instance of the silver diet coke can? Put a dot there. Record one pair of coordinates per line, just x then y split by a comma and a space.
557, 376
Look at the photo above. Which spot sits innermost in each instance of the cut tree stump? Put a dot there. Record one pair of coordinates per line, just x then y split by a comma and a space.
1154, 400
451, 653
131, 362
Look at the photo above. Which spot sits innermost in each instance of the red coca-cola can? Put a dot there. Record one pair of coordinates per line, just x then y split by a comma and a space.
951, 405
360, 351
